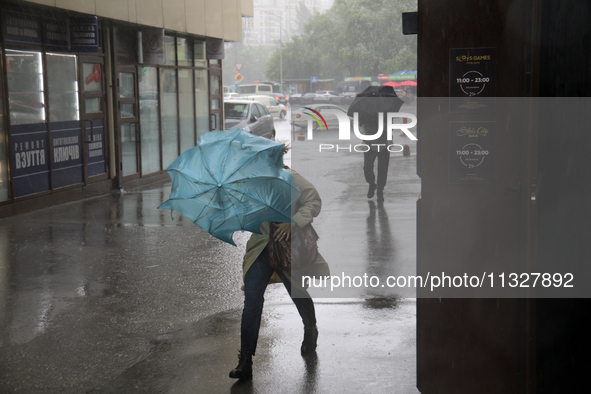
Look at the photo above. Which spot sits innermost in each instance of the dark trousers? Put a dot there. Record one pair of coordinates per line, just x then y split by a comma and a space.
369, 159
255, 282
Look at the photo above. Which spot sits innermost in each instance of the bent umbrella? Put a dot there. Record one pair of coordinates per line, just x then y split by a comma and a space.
232, 181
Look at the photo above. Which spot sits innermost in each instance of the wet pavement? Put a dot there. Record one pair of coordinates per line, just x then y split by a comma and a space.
111, 295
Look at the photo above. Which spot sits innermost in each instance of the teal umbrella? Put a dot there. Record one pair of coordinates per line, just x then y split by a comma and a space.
232, 181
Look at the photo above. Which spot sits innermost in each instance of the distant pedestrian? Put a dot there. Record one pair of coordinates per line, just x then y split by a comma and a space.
372, 106
378, 150
258, 273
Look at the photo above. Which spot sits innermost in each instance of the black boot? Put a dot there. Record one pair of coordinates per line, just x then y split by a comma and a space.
310, 340
244, 368
380, 195
372, 190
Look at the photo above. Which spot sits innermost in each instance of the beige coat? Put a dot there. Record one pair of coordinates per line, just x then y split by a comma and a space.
309, 205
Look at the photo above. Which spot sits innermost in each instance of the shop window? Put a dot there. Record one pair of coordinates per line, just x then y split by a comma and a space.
25, 87
170, 49
62, 87
169, 115
128, 149
199, 54
126, 88
187, 109
215, 85
93, 104
201, 101
64, 116
215, 97
93, 74
184, 52
28, 131
149, 124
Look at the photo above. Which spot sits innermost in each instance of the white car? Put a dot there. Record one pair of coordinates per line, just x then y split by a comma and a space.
231, 96
274, 108
249, 115
327, 96
300, 117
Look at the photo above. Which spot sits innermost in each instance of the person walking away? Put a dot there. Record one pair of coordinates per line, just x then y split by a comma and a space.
378, 150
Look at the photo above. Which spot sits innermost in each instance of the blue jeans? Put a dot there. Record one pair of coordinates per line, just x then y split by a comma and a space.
255, 284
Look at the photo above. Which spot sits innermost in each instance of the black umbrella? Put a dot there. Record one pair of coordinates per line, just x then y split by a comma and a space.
373, 100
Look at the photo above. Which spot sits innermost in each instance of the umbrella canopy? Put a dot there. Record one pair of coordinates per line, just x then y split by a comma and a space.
373, 100
232, 181
407, 83
392, 83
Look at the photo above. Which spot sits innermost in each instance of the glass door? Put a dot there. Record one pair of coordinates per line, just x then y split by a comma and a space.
92, 115
127, 122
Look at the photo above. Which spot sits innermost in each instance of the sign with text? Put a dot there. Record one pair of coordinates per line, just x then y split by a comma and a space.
471, 152
84, 35
472, 80
30, 158
56, 34
66, 153
19, 28
214, 48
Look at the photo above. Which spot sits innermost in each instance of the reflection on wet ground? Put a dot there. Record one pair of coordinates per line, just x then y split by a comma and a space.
110, 294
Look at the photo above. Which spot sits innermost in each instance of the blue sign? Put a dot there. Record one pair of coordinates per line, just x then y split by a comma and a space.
84, 34
66, 153
18, 28
56, 35
30, 158
314, 79
95, 148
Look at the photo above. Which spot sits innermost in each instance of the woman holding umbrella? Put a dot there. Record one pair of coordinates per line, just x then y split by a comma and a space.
235, 181
258, 272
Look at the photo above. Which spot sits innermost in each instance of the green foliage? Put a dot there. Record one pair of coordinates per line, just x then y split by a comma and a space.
353, 38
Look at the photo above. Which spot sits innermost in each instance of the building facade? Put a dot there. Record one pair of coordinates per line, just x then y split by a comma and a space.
99, 95
271, 16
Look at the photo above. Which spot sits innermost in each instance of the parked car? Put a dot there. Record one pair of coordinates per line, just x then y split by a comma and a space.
327, 96
280, 97
295, 98
347, 97
307, 98
249, 115
231, 96
270, 103
300, 119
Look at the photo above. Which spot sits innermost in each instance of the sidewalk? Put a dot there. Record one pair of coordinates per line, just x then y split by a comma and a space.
110, 295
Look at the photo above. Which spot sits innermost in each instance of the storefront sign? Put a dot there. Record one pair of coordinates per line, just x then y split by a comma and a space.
30, 158
401, 77
19, 28
153, 51
56, 35
215, 48
472, 80
66, 153
84, 34
95, 148
471, 152
350, 79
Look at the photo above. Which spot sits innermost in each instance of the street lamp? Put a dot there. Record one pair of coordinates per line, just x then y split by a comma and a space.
280, 46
